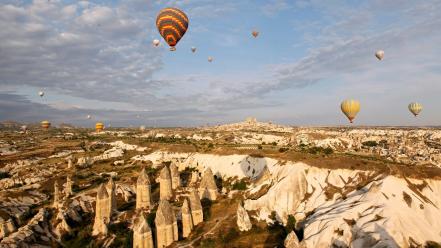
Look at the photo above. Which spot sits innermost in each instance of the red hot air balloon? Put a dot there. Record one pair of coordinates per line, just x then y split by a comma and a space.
172, 23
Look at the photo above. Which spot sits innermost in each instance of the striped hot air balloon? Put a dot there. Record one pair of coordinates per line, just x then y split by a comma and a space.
172, 24
350, 108
45, 124
415, 108
99, 127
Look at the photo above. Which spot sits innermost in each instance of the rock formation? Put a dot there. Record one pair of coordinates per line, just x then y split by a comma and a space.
68, 187
69, 163
143, 191
193, 179
57, 195
243, 220
292, 241
197, 213
208, 188
142, 233
166, 225
176, 180
165, 184
111, 190
187, 221
6, 227
103, 211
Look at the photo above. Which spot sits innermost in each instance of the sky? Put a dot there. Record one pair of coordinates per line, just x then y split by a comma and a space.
96, 58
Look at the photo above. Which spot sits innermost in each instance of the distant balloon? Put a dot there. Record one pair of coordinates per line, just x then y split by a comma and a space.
142, 128
156, 42
172, 23
45, 124
415, 108
255, 33
210, 59
137, 116
350, 108
88, 117
41, 93
193, 49
24, 127
99, 127
379, 54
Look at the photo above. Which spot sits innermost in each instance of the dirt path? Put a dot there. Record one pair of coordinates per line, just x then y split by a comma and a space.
203, 234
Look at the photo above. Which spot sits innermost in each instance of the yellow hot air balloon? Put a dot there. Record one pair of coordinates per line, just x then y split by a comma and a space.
99, 126
350, 108
45, 124
415, 108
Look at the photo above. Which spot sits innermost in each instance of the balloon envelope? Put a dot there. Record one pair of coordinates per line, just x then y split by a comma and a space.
156, 42
193, 49
379, 54
350, 108
45, 124
415, 108
88, 116
210, 59
41, 93
172, 23
99, 126
255, 33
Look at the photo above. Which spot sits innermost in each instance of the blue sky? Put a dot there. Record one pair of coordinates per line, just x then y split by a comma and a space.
96, 57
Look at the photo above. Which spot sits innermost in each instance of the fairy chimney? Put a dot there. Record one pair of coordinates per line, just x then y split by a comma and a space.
68, 187
143, 191
142, 233
166, 225
57, 195
69, 163
111, 190
194, 178
103, 211
176, 181
195, 207
187, 220
165, 184
208, 188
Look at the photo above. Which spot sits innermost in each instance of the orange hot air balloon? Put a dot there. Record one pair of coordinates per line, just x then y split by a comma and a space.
45, 124
99, 126
255, 33
172, 23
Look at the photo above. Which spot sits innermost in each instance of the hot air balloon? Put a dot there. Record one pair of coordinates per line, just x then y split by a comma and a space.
193, 49
142, 128
99, 127
88, 117
45, 124
41, 93
210, 59
415, 108
350, 108
156, 42
255, 33
379, 54
172, 24
24, 128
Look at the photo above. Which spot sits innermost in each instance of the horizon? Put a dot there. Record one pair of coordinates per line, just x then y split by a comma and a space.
96, 58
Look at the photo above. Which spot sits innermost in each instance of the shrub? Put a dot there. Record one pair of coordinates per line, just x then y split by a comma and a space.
283, 149
432, 244
231, 235
370, 143
4, 175
259, 147
240, 185
291, 224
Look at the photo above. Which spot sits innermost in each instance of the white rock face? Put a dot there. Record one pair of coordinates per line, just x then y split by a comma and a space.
348, 208
243, 220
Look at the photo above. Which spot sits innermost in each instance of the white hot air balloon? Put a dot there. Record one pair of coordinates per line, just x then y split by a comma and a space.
193, 49
142, 128
156, 42
41, 93
88, 116
24, 128
210, 59
379, 54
